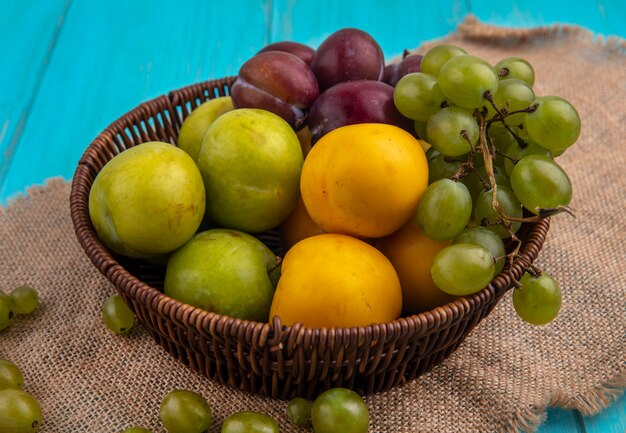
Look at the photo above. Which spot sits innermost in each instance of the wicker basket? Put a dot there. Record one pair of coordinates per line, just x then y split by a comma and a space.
271, 359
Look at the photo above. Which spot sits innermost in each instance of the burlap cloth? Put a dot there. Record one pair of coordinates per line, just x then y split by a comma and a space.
503, 377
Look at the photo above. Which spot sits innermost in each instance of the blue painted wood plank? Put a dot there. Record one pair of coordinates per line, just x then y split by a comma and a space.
561, 421
611, 420
111, 56
27, 37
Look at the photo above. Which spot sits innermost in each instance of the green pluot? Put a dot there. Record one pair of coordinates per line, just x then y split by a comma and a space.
224, 271
147, 201
198, 122
251, 161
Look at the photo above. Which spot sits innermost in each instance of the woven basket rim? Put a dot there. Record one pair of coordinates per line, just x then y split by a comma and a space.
107, 264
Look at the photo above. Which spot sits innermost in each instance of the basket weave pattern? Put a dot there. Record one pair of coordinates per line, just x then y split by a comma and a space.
263, 358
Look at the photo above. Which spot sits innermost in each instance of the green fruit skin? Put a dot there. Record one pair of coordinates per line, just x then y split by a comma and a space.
249, 422
225, 271
483, 209
197, 123
518, 152
19, 412
486, 239
147, 201
464, 80
339, 410
437, 56
444, 209
251, 161
117, 316
518, 68
136, 430
299, 411
10, 375
555, 124
6, 311
517, 94
25, 300
465, 273
538, 301
450, 122
185, 411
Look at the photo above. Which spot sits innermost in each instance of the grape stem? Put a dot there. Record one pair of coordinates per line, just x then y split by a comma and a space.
501, 115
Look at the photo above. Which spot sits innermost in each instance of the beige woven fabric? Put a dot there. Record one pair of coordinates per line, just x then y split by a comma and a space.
501, 379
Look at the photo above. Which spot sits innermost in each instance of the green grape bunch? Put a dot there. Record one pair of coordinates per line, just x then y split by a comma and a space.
491, 168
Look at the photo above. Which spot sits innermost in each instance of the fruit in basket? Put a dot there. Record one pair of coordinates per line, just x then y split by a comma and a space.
452, 131
184, 411
466, 79
223, 271
512, 95
298, 226
437, 56
445, 209
117, 316
516, 67
352, 102
250, 161
334, 280
279, 82
339, 410
10, 375
364, 180
411, 253
555, 124
196, 124
19, 412
303, 52
410, 63
486, 215
346, 55
147, 201
538, 299
486, 239
418, 96
463, 269
249, 422
6, 311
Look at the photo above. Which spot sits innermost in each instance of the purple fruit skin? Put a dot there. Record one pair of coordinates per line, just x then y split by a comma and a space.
348, 54
304, 52
276, 81
395, 71
350, 102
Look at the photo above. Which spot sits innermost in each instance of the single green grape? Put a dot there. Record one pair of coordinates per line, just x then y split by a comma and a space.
250, 422
486, 239
6, 311
513, 95
464, 80
555, 124
501, 137
463, 269
185, 411
420, 129
19, 412
439, 166
10, 375
339, 410
518, 152
444, 210
117, 316
446, 131
474, 180
484, 211
299, 411
540, 183
417, 96
516, 67
436, 57
25, 299
538, 300
136, 430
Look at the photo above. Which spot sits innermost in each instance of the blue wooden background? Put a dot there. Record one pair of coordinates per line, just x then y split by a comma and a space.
70, 67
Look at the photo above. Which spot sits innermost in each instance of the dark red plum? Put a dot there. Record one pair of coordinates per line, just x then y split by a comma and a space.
364, 101
346, 55
395, 71
279, 82
304, 52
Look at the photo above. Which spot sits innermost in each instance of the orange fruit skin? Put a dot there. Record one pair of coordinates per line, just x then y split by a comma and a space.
412, 252
334, 280
364, 180
298, 226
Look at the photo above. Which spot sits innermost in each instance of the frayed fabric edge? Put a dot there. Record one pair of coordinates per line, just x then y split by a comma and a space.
34, 191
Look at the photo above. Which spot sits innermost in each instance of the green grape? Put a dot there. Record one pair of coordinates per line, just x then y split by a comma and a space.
10, 375
417, 96
19, 412
540, 183
185, 411
501, 137
465, 80
25, 299
439, 167
474, 180
555, 124
436, 57
444, 210
420, 129
339, 410
136, 430
446, 128
299, 411
486, 239
518, 152
6, 311
463, 269
117, 316
249, 422
483, 210
538, 301
514, 95
516, 67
